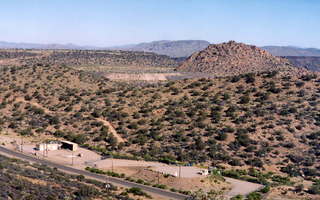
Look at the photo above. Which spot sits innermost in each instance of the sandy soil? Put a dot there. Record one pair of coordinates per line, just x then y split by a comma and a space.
241, 187
191, 184
141, 77
66, 157
189, 175
151, 171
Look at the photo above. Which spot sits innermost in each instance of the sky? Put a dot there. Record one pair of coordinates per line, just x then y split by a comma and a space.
119, 22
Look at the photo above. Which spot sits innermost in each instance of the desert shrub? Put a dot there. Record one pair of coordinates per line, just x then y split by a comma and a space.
299, 188
235, 79
27, 131
291, 170
235, 162
221, 136
266, 189
314, 189
254, 196
281, 180
250, 78
137, 191
86, 192
271, 74
256, 162
79, 138
215, 116
299, 84
244, 99
238, 197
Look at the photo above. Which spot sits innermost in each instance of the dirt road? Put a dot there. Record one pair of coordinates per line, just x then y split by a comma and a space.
238, 187
241, 187
111, 129
117, 181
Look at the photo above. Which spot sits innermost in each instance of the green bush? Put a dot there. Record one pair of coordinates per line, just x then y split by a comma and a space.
254, 196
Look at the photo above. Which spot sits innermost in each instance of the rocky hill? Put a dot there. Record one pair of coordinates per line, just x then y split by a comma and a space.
291, 51
233, 58
179, 48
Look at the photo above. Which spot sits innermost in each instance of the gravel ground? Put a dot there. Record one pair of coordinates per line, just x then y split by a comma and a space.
238, 186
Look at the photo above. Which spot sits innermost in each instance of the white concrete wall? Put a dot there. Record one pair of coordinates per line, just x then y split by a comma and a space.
49, 147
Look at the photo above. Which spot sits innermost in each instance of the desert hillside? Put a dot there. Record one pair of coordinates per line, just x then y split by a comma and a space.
233, 58
261, 126
84, 58
263, 115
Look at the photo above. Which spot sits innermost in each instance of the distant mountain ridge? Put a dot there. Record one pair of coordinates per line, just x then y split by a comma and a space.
22, 45
311, 63
292, 51
179, 48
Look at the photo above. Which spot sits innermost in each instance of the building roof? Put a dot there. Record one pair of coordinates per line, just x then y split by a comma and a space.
68, 142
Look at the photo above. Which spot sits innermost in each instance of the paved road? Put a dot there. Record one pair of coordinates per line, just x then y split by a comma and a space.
117, 181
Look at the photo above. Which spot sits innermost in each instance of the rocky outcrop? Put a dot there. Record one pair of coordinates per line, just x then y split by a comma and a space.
233, 58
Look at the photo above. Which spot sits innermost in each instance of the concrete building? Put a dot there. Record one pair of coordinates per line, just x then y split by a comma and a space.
56, 145
69, 145
50, 146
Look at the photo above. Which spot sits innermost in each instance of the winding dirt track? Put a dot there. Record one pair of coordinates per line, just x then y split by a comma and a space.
111, 129
46, 110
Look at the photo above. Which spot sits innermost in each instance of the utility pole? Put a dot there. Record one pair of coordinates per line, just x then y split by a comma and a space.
72, 159
21, 144
158, 177
44, 150
47, 150
179, 171
112, 163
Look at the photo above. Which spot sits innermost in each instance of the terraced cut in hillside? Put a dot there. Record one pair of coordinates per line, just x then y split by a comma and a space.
232, 59
264, 125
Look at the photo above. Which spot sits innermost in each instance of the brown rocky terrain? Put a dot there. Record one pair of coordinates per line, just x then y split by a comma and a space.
262, 127
85, 57
233, 58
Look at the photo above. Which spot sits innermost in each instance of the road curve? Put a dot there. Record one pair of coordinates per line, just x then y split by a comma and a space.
117, 181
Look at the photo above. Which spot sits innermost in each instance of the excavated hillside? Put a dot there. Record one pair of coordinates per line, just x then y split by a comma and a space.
233, 58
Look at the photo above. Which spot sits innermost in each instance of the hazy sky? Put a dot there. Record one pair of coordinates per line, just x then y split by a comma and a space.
117, 22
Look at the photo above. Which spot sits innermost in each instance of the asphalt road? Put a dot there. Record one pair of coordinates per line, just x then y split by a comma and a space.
163, 193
